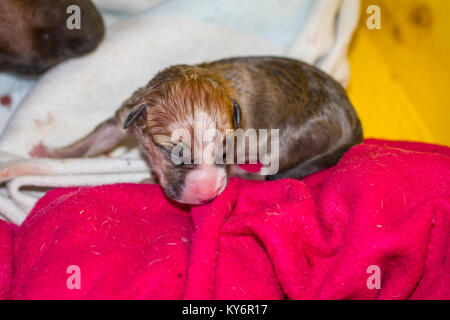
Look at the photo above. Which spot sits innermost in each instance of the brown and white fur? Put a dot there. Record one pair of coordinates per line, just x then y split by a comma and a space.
315, 118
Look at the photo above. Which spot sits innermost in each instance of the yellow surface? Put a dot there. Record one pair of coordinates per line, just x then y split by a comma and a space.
400, 74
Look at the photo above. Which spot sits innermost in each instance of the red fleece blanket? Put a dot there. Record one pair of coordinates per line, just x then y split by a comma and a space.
375, 226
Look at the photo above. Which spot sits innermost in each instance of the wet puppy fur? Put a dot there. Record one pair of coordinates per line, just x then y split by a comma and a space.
315, 118
34, 35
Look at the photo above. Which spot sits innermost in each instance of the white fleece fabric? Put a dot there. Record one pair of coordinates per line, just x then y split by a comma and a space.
69, 100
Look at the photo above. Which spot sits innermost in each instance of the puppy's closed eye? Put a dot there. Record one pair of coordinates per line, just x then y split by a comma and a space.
167, 150
176, 151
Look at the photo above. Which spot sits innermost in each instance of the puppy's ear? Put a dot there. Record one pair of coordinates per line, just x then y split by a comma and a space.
135, 113
237, 114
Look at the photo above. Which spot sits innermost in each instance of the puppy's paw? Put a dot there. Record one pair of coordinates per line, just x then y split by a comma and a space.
42, 151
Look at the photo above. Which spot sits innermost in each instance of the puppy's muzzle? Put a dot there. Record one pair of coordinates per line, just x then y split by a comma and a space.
203, 184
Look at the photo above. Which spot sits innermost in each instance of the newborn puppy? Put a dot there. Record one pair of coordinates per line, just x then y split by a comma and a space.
316, 122
34, 35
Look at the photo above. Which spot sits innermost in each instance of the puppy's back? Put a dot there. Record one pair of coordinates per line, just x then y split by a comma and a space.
311, 109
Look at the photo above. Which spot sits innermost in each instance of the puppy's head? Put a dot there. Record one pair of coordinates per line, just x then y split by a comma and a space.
182, 124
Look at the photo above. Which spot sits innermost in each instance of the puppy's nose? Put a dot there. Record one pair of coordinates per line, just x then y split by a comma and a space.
203, 185
209, 189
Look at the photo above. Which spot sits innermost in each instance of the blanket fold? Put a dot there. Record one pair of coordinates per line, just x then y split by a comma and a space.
385, 206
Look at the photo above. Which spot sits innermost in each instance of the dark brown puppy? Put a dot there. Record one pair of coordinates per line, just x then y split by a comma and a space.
34, 35
316, 121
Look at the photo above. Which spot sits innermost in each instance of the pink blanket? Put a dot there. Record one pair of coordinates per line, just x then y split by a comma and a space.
375, 226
